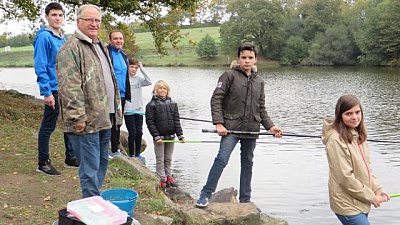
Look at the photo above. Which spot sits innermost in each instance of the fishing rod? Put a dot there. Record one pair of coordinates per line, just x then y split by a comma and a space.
394, 195
200, 141
284, 134
189, 141
185, 118
259, 133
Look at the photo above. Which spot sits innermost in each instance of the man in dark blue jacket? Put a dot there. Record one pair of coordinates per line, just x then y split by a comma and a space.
120, 63
46, 45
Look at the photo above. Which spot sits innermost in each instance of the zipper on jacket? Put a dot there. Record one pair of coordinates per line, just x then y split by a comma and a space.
366, 165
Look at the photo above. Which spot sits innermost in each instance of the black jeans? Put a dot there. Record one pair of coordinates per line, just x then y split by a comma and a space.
47, 127
116, 130
134, 124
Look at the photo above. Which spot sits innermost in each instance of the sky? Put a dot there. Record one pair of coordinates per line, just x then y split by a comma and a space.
16, 27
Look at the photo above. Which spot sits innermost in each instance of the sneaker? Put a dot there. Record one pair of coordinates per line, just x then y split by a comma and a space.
170, 182
202, 202
71, 163
141, 159
163, 184
46, 168
246, 201
111, 155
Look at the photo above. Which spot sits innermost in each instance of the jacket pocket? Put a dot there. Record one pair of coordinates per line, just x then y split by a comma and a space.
232, 122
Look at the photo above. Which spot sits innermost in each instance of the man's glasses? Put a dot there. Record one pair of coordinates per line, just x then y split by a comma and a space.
91, 20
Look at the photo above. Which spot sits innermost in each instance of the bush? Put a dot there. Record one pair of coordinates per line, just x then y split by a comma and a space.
207, 47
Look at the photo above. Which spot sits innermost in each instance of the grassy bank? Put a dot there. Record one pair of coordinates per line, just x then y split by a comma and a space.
29, 197
184, 55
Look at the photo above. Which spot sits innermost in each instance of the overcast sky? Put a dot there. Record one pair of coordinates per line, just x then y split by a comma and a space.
16, 27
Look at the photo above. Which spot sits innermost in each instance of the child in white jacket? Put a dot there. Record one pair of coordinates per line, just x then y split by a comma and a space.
134, 110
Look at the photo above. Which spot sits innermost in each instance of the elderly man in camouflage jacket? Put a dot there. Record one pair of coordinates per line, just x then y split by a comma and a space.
88, 94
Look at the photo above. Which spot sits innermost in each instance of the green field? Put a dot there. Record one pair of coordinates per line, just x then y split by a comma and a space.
184, 55
17, 57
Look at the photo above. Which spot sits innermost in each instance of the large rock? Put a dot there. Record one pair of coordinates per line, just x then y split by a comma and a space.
223, 207
123, 139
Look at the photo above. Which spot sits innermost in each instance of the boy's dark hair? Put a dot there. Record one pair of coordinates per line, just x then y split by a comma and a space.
247, 46
133, 61
114, 31
51, 6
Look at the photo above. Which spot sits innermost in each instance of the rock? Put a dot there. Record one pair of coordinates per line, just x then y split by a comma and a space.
178, 195
123, 139
225, 195
17, 94
221, 213
146, 219
223, 207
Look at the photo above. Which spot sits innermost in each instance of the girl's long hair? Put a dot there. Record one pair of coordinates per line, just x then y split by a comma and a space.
163, 84
346, 102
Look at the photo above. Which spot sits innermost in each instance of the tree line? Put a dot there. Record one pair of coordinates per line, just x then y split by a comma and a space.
294, 32
316, 32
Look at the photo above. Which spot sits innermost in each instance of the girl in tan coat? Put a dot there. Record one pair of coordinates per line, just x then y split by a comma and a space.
353, 187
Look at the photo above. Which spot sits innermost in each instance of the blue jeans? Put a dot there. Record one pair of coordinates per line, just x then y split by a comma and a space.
227, 144
47, 127
92, 154
359, 219
134, 125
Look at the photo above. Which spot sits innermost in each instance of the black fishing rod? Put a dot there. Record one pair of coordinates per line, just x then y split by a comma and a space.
185, 118
202, 142
285, 134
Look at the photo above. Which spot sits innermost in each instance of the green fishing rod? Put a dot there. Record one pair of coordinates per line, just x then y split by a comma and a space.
394, 195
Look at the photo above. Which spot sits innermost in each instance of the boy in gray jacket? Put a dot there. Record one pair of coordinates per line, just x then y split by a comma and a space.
134, 110
238, 104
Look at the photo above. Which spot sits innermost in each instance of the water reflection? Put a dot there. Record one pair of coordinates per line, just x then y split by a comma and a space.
290, 174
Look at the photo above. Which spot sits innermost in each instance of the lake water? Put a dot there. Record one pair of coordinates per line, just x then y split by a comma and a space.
290, 174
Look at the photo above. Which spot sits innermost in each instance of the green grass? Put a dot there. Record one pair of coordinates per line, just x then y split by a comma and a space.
29, 197
183, 55
17, 57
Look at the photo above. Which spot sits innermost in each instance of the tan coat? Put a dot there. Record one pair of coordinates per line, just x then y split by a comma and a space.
352, 184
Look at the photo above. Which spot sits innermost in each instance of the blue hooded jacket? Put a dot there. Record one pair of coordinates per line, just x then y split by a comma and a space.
120, 62
46, 46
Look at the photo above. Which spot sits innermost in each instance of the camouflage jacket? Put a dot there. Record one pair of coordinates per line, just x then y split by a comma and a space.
81, 88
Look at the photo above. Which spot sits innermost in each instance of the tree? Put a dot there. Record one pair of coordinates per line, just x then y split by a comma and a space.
380, 43
207, 47
257, 21
334, 47
161, 17
296, 49
318, 15
20, 40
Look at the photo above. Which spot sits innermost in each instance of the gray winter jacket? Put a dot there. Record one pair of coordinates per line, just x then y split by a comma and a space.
238, 102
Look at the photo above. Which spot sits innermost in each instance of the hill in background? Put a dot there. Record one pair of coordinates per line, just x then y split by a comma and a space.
184, 55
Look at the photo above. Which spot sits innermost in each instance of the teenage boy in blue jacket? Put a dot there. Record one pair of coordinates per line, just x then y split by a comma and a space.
46, 45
